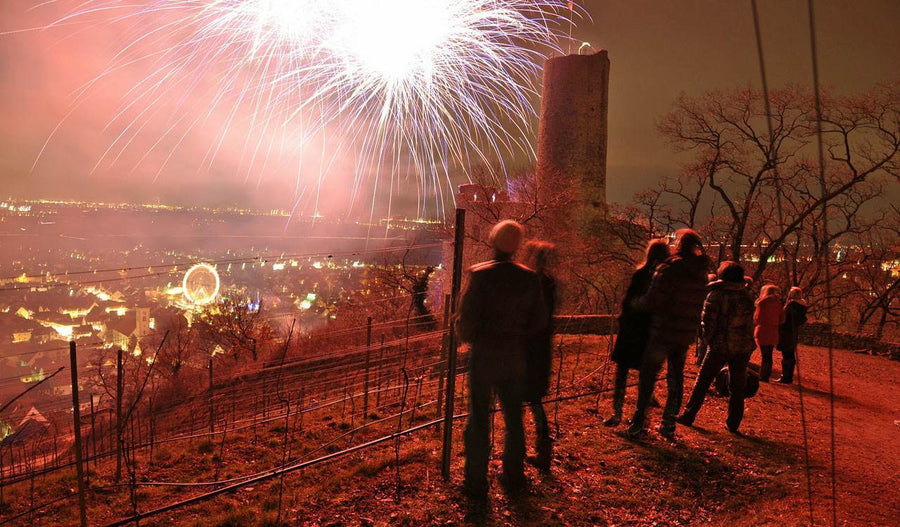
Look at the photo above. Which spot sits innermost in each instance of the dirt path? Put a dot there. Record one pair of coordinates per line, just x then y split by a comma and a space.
707, 477
867, 436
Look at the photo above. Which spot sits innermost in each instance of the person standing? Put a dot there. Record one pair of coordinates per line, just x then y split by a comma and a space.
768, 317
789, 333
727, 327
634, 326
540, 354
674, 301
702, 346
500, 311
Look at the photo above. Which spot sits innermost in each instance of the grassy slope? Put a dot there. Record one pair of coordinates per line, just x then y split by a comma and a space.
707, 477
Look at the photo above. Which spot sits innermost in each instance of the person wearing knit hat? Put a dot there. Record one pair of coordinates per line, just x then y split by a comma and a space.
506, 236
500, 312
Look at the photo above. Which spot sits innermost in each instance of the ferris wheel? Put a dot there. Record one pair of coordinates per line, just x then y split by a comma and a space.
201, 284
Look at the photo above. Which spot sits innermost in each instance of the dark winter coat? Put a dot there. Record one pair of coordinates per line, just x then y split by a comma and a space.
675, 300
728, 319
768, 317
634, 326
500, 311
789, 330
540, 348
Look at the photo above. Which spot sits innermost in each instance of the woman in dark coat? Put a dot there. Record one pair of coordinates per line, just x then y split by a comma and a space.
789, 332
540, 354
634, 326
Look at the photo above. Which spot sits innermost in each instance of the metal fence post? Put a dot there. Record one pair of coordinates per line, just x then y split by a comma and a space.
76, 417
458, 240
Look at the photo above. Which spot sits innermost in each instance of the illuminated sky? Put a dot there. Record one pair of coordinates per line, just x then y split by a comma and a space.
658, 49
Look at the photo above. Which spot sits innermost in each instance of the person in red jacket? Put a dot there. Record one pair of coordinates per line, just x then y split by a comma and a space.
768, 317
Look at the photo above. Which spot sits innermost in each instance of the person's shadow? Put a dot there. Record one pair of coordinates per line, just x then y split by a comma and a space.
522, 507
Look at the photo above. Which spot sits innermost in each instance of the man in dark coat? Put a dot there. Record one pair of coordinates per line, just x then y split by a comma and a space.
675, 301
728, 329
501, 309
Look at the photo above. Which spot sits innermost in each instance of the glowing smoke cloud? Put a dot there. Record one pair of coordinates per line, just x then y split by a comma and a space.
420, 86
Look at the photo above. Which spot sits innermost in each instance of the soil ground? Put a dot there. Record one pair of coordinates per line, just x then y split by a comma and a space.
706, 477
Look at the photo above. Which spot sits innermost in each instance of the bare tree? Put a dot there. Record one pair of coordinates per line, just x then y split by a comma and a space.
236, 328
758, 196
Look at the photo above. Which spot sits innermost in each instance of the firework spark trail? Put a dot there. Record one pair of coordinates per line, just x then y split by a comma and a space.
421, 86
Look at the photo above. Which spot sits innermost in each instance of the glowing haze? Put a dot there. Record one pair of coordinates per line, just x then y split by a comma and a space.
403, 89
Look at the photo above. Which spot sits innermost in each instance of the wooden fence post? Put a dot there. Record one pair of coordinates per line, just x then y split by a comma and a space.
368, 363
76, 417
445, 325
151, 433
120, 430
458, 240
93, 430
212, 416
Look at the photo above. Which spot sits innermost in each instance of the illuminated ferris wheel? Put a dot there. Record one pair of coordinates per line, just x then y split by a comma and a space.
201, 284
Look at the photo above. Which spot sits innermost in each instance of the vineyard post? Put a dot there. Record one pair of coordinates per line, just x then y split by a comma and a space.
458, 240
442, 373
212, 422
93, 429
120, 389
151, 431
76, 417
368, 364
378, 374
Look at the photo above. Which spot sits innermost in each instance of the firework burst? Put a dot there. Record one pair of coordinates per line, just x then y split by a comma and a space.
416, 88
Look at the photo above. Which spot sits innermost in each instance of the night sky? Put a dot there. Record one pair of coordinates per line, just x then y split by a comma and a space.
658, 49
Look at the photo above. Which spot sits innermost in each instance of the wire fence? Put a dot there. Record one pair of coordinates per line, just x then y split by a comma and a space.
328, 405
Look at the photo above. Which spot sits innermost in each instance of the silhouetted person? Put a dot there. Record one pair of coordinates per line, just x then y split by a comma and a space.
419, 295
500, 311
634, 326
540, 354
702, 346
789, 333
768, 317
675, 301
727, 327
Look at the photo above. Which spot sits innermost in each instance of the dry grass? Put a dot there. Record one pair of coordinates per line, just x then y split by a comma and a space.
706, 477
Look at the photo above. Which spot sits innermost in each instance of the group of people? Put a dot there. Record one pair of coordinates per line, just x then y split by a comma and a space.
506, 315
669, 301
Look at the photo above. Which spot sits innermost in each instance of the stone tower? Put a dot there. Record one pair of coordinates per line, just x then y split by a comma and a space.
571, 156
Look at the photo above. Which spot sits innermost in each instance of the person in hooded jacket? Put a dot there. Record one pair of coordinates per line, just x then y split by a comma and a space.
768, 318
501, 310
634, 326
727, 327
789, 333
674, 301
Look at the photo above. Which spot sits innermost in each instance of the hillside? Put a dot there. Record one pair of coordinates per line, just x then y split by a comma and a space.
706, 477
